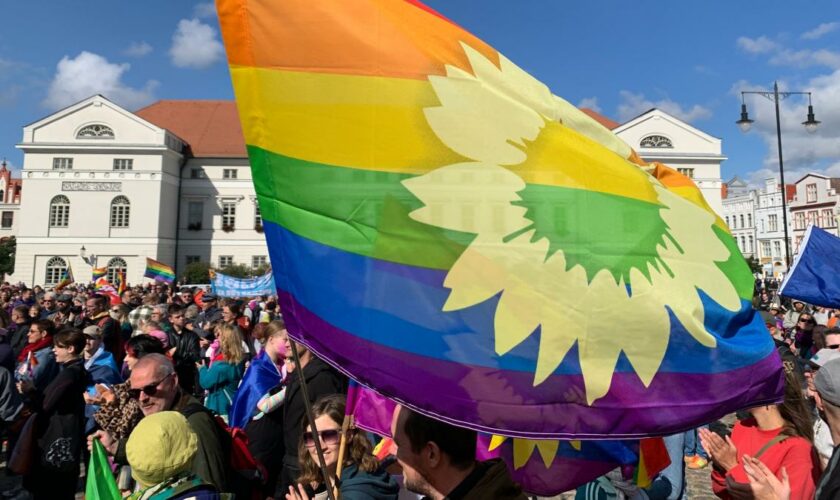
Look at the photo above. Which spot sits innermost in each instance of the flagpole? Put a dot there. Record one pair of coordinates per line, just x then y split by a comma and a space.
311, 417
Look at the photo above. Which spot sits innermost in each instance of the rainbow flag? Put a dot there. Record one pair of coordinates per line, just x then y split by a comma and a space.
99, 272
159, 271
66, 279
447, 231
103, 285
120, 282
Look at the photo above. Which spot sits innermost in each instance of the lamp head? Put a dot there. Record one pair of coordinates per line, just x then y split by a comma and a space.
744, 123
811, 123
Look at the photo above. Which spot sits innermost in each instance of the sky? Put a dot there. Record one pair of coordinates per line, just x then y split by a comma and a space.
690, 59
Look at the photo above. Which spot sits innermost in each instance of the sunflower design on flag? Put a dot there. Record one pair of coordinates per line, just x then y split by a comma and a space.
568, 233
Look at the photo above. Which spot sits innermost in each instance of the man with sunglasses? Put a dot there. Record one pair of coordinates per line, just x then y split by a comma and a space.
154, 384
48, 306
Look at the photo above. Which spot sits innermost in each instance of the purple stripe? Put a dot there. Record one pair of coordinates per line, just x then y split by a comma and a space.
506, 402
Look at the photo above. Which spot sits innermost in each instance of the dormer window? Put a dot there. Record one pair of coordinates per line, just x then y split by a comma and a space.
96, 131
655, 141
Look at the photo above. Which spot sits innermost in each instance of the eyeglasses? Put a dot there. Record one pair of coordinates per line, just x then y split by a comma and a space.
329, 437
808, 320
149, 390
833, 346
115, 310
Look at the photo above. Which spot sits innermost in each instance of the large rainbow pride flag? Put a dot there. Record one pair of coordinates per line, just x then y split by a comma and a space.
447, 231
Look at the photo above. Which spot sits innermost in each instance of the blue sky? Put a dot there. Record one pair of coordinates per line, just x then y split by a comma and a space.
688, 58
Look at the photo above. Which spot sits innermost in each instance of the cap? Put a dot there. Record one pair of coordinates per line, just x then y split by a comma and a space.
64, 298
827, 382
208, 297
92, 331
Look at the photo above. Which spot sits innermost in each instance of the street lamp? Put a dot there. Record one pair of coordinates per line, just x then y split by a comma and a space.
89, 259
810, 125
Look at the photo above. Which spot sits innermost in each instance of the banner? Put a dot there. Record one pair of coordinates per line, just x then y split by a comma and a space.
812, 278
228, 286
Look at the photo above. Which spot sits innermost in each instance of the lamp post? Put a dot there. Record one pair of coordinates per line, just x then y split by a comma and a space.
810, 124
89, 259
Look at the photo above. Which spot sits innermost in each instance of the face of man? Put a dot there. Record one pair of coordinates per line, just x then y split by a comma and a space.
411, 462
205, 305
187, 297
63, 306
165, 389
26, 294
17, 317
177, 320
832, 341
48, 302
92, 345
92, 307
798, 306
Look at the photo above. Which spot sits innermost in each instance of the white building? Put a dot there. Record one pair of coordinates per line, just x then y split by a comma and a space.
171, 182
658, 136
770, 232
738, 213
816, 202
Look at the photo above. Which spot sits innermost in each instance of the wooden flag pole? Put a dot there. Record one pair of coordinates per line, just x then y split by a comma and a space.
342, 449
311, 417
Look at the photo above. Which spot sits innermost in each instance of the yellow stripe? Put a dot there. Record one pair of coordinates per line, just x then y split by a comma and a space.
378, 123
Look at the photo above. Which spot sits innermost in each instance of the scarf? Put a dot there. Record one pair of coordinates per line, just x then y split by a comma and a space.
37, 346
99, 352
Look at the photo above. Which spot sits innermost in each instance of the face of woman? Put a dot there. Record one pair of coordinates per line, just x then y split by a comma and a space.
35, 334
130, 361
278, 345
63, 354
329, 431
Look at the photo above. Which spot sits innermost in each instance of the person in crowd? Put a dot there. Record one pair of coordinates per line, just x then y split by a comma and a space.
821, 315
695, 456
827, 385
803, 335
48, 306
64, 315
139, 346
210, 312
11, 403
36, 362
34, 312
791, 317
221, 378
20, 330
142, 313
131, 299
7, 354
161, 451
59, 425
780, 435
27, 298
154, 383
763, 301
361, 477
438, 461
184, 349
97, 313
101, 368
822, 435
119, 313
185, 297
321, 380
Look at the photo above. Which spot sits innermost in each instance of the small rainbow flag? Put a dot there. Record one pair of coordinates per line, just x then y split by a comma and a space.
103, 285
159, 271
99, 272
66, 279
120, 282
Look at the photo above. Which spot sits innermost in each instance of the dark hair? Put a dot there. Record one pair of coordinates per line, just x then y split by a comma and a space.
833, 331
174, 309
100, 300
45, 325
458, 443
358, 451
67, 337
234, 305
141, 345
794, 410
22, 310
819, 337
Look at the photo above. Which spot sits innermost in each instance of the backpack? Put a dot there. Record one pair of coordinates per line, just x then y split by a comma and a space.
241, 460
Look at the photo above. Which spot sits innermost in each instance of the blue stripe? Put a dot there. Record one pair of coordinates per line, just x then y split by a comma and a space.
401, 306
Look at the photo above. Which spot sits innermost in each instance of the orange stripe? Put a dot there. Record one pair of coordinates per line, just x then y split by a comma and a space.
358, 37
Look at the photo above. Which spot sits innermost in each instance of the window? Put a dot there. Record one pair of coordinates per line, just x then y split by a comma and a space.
655, 141
765, 248
225, 261
8, 218
799, 220
97, 131
727, 221
229, 173
116, 266
59, 211
62, 163
750, 246
749, 220
743, 244
123, 164
228, 214
2, 195
192, 259
688, 172
810, 193
119, 212
777, 249
56, 267
257, 214
742, 220
258, 261
195, 215
197, 173
812, 217
827, 218
773, 221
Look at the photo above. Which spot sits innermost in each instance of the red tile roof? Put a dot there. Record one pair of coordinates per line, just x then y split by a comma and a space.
603, 120
211, 128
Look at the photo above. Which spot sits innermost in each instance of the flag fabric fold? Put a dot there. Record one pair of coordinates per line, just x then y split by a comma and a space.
811, 278
445, 230
159, 271
100, 484
99, 272
66, 279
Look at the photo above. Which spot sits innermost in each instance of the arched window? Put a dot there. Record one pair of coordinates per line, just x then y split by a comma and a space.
120, 208
60, 211
116, 266
96, 131
656, 141
56, 267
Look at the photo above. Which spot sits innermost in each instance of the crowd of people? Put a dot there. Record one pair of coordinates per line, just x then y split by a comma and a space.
196, 396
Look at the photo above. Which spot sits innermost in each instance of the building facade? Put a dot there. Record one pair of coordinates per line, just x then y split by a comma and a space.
770, 232
738, 209
816, 201
10, 195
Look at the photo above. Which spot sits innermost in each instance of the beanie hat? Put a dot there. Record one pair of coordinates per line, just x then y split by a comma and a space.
161, 446
162, 336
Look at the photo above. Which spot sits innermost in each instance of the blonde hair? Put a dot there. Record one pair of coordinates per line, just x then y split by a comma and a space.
230, 343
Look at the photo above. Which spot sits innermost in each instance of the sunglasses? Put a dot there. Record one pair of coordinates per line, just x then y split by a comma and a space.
149, 390
833, 346
806, 321
328, 437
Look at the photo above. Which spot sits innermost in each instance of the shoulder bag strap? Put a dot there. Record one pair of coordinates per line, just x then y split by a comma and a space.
776, 440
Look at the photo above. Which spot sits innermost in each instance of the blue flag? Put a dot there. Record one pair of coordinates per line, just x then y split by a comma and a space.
812, 278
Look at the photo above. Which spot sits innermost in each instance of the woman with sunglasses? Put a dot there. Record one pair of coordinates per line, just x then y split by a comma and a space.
361, 477
803, 335
222, 377
59, 422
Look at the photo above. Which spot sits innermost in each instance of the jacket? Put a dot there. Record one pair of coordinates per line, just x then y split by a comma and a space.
360, 485
321, 380
10, 401
111, 334
43, 370
829, 486
18, 337
102, 369
490, 479
220, 380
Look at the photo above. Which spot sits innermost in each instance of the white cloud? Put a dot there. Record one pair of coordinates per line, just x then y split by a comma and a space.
633, 105
87, 74
591, 103
821, 30
138, 49
760, 45
804, 58
194, 45
203, 10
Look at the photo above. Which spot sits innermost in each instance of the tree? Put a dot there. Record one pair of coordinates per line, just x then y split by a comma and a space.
8, 247
196, 273
755, 265
237, 271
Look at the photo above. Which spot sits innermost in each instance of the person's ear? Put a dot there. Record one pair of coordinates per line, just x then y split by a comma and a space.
432, 454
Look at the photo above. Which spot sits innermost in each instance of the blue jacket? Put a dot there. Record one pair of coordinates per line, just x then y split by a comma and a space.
220, 380
102, 369
262, 376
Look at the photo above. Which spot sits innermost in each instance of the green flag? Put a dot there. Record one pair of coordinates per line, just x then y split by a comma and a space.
100, 481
